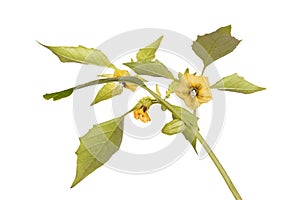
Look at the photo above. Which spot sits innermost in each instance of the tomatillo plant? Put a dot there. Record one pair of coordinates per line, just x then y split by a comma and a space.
103, 140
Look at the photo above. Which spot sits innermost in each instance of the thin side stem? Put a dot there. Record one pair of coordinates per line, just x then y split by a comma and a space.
203, 70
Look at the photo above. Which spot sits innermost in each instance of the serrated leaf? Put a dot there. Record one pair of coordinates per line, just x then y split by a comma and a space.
236, 83
148, 53
59, 95
108, 91
80, 54
97, 147
212, 46
150, 68
173, 127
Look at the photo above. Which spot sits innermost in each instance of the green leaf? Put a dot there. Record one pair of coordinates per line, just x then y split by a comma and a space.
148, 53
212, 46
59, 95
173, 127
141, 78
151, 68
108, 91
172, 87
189, 119
80, 54
97, 147
236, 83
68, 92
190, 136
157, 90
185, 115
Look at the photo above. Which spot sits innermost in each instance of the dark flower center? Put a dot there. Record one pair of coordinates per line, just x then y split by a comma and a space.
193, 92
123, 84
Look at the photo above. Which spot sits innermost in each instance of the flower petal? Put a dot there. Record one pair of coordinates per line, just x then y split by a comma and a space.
131, 86
191, 102
120, 73
141, 115
199, 83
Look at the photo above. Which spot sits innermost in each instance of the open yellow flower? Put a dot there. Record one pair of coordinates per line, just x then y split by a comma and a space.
121, 73
142, 114
193, 90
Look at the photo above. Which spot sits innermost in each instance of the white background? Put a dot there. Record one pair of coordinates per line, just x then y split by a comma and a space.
260, 142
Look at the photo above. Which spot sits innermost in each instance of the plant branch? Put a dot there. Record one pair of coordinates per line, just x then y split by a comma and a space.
219, 166
168, 106
204, 144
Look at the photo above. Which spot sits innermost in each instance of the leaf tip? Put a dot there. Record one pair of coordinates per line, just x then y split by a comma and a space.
46, 96
41, 44
75, 182
229, 27
59, 95
262, 88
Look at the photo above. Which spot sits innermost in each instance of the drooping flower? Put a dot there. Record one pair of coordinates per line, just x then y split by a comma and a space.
121, 73
193, 90
142, 114
141, 109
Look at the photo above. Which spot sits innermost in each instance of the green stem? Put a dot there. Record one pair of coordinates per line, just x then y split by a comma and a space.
195, 118
203, 70
176, 115
204, 144
217, 164
162, 102
201, 140
96, 82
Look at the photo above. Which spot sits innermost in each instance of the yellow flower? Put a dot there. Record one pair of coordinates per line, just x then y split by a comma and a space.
141, 109
121, 73
193, 90
141, 113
